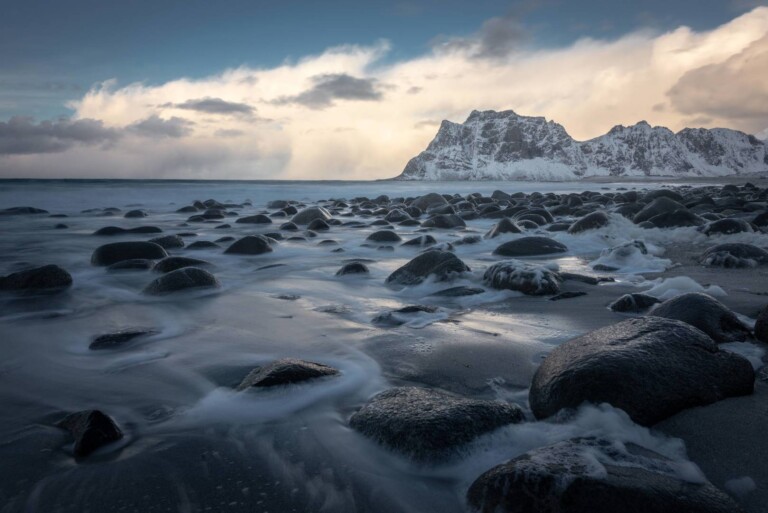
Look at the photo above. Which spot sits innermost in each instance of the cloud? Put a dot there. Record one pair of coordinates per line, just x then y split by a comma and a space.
21, 135
214, 105
736, 88
155, 126
318, 129
335, 86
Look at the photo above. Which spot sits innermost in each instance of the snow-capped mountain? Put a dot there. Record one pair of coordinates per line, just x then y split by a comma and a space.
492, 145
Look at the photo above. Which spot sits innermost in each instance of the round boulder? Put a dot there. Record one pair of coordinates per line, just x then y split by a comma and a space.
185, 278
591, 221
444, 265
352, 268
530, 279
285, 372
506, 225
530, 246
249, 245
384, 236
649, 367
45, 278
734, 255
706, 313
308, 215
109, 254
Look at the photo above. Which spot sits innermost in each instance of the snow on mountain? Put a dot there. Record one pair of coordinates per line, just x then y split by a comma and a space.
492, 145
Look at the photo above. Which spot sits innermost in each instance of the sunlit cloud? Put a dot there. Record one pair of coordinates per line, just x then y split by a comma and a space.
349, 113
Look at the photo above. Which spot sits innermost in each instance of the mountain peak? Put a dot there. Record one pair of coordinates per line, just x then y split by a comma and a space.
503, 145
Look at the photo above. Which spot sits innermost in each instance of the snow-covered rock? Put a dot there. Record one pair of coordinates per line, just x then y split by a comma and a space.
492, 145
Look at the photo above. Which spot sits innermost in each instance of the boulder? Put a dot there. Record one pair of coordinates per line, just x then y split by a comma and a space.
506, 225
706, 313
421, 241
119, 338
530, 246
182, 279
318, 225
591, 221
649, 367
384, 236
285, 372
676, 219
430, 200
172, 263
15, 211
657, 206
633, 303
116, 230
109, 254
444, 265
91, 430
135, 264
169, 242
257, 219
734, 255
309, 214
761, 326
203, 244
136, 213
48, 278
352, 268
249, 245
727, 227
597, 476
530, 279
428, 424
444, 221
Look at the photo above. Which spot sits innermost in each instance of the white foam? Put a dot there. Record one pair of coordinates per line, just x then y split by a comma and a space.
666, 288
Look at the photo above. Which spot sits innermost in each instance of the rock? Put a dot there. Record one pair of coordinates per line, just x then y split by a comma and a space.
48, 278
530, 279
506, 225
634, 303
530, 246
430, 200
169, 242
658, 206
384, 236
706, 313
352, 268
119, 338
91, 429
278, 204
285, 372
734, 255
135, 264
459, 291
591, 221
249, 245
585, 278
116, 230
172, 263
257, 219
676, 219
649, 367
16, 211
727, 227
428, 424
567, 295
444, 221
397, 216
318, 225
109, 254
135, 213
182, 279
308, 215
422, 241
444, 265
596, 476
761, 326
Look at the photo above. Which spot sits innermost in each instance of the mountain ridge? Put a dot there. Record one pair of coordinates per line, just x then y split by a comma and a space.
503, 145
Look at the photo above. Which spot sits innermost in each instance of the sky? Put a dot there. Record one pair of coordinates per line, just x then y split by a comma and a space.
246, 89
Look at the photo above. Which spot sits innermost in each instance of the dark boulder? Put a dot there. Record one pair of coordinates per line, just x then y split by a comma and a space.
633, 303
285, 372
16, 211
135, 264
658, 206
249, 245
352, 268
48, 278
530, 279
91, 430
421, 241
135, 213
588, 475
109, 254
430, 200
727, 227
530, 246
591, 221
506, 225
119, 338
169, 242
649, 367
676, 219
257, 219
116, 230
318, 225
428, 424
203, 244
172, 263
734, 255
706, 313
444, 265
444, 221
308, 215
384, 236
185, 278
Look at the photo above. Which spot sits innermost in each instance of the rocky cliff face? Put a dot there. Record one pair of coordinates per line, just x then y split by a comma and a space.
493, 145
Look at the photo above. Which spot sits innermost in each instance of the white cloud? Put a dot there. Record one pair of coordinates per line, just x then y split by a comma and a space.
588, 87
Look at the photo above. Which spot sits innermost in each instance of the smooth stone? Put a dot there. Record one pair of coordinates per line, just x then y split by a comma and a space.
428, 424
284, 372
309, 214
458, 291
135, 213
384, 236
444, 221
506, 225
734, 254
530, 246
50, 278
430, 200
257, 219
109, 254
116, 230
169, 241
182, 279
676, 219
706, 313
136, 264
119, 338
352, 268
91, 430
658, 206
172, 263
591, 221
203, 244
649, 367
15, 211
318, 225
530, 279
727, 227
249, 245
634, 303
421, 241
589, 475
444, 265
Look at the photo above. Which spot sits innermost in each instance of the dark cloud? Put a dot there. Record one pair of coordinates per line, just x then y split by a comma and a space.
213, 106
735, 90
155, 126
21, 135
497, 38
337, 86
